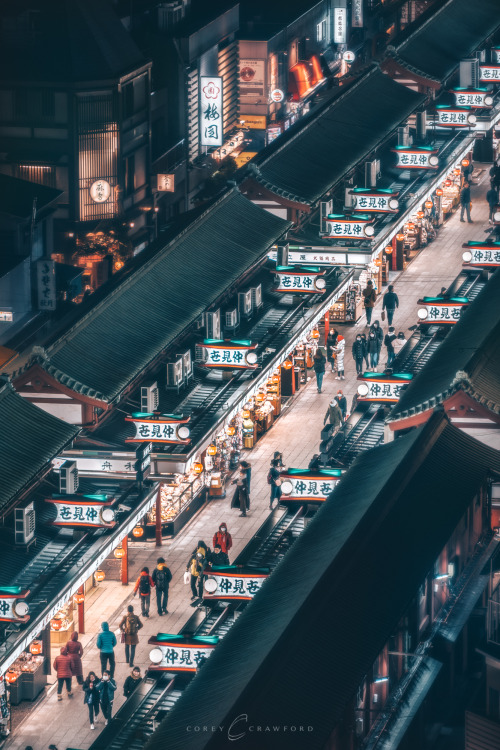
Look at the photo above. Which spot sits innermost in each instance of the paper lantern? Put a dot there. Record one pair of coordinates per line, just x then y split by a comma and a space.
56, 624
11, 676
287, 364
428, 205
138, 531
212, 450
400, 237
79, 598
448, 183
119, 553
99, 575
231, 430
315, 333
456, 172
439, 192
245, 414
420, 214
388, 250
411, 226
36, 647
377, 262
198, 467
465, 162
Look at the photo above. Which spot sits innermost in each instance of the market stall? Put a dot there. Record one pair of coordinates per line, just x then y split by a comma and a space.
181, 495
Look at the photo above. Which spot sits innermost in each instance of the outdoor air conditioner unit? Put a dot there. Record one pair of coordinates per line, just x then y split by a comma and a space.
231, 319
282, 254
213, 324
256, 296
187, 364
24, 524
199, 353
245, 303
174, 374
149, 397
325, 208
469, 73
200, 322
68, 478
372, 169
404, 136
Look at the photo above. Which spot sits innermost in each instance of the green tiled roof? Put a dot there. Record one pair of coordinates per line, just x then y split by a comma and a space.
335, 138
111, 345
29, 439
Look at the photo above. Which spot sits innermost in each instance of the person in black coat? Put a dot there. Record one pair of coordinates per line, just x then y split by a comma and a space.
132, 682
465, 202
319, 368
492, 199
331, 343
388, 341
241, 499
390, 303
218, 557
365, 346
91, 696
342, 402
373, 349
358, 353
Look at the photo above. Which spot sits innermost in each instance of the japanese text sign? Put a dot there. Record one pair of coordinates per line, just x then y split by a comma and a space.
416, 158
382, 387
483, 254
357, 14
339, 25
474, 98
164, 428
292, 279
441, 311
355, 227
230, 354
165, 183
13, 607
489, 73
46, 278
92, 511
211, 111
376, 201
308, 485
180, 653
454, 118
233, 582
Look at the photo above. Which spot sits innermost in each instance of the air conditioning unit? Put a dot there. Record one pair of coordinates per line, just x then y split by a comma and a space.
174, 374
469, 73
199, 322
348, 198
372, 173
256, 297
199, 353
245, 303
404, 136
213, 324
231, 319
149, 397
24, 524
187, 365
68, 478
325, 208
282, 255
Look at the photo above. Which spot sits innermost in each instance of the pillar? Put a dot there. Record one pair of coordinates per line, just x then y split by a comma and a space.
124, 562
394, 265
158, 518
47, 657
399, 253
327, 324
81, 612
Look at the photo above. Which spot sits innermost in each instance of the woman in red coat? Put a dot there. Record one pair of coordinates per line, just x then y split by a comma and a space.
62, 666
75, 650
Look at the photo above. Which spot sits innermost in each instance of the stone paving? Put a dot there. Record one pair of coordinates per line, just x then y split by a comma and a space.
297, 435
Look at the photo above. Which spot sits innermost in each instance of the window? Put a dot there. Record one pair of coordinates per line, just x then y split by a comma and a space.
128, 100
321, 31
48, 103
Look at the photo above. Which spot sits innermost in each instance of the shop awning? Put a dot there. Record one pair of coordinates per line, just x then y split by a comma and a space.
334, 138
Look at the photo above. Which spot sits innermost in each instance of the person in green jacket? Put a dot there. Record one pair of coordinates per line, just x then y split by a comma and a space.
333, 415
106, 642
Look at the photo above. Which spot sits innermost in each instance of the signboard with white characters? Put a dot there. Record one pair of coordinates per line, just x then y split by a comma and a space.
90, 465
454, 118
482, 254
231, 354
378, 201
473, 98
339, 25
308, 485
292, 279
229, 146
233, 582
46, 283
357, 14
163, 428
355, 226
489, 73
211, 111
180, 653
100, 190
13, 607
382, 387
93, 511
440, 311
416, 158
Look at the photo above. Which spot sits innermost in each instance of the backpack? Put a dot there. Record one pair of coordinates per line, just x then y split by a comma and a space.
144, 585
131, 625
269, 477
162, 580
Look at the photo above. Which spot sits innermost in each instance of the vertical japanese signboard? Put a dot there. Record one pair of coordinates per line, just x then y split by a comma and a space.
46, 278
211, 111
339, 25
357, 14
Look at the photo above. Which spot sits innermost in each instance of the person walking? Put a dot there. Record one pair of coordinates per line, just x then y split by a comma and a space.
465, 202
247, 468
62, 667
319, 368
218, 557
278, 457
130, 626
223, 539
379, 335
106, 642
366, 356
398, 343
390, 303
373, 350
161, 578
144, 584
342, 402
340, 351
369, 298
333, 415
75, 650
132, 682
389, 339
274, 479
106, 689
492, 199
241, 499
196, 565
91, 697
358, 353
331, 342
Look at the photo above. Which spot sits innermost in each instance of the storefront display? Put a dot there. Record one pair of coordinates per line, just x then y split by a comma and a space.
349, 307
26, 678
177, 494
62, 626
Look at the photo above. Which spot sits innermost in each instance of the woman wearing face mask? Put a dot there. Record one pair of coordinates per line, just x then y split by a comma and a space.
91, 698
106, 689
358, 353
223, 539
373, 350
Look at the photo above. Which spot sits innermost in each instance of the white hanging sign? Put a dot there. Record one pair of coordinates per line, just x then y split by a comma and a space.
377, 202
159, 430
226, 354
186, 656
440, 312
489, 73
13, 607
473, 98
411, 158
352, 226
455, 118
100, 190
308, 485
381, 388
211, 111
75, 510
482, 254
302, 282
229, 585
339, 25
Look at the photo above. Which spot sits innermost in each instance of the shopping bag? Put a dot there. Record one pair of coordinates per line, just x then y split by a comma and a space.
383, 315
187, 577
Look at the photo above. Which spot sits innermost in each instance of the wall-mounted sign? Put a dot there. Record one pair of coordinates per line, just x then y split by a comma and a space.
235, 355
142, 463
100, 190
165, 183
252, 78
6, 316
13, 607
416, 158
211, 111
244, 157
473, 98
106, 463
46, 284
253, 122
229, 146
93, 511
441, 311
348, 56
306, 485
300, 280
321, 257
448, 117
489, 73
277, 95
273, 132
380, 386
233, 582
357, 14
180, 653
340, 25
355, 226
159, 428
380, 201
482, 254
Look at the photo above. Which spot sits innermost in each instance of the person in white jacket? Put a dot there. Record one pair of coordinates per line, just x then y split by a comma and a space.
339, 351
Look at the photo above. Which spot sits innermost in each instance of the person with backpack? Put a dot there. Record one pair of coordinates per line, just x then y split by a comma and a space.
130, 626
161, 578
106, 642
144, 585
196, 566
223, 539
274, 479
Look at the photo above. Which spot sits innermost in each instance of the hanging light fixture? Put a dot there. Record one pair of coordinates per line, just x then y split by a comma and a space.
11, 676
137, 531
420, 214
231, 430
36, 647
439, 192
428, 205
400, 237
388, 250
99, 575
119, 553
198, 467
79, 598
212, 450
465, 162
56, 624
315, 333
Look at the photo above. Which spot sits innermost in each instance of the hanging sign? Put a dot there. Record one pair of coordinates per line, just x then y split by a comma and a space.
481, 254
382, 387
340, 225
235, 355
380, 201
100, 190
277, 95
13, 607
165, 183
357, 14
441, 311
307, 485
489, 73
348, 56
473, 98
107, 463
495, 54
339, 25
211, 111
159, 428
46, 283
416, 158
233, 582
180, 653
93, 511
300, 279
448, 117
229, 146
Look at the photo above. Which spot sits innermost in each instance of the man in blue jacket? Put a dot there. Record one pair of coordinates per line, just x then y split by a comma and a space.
106, 642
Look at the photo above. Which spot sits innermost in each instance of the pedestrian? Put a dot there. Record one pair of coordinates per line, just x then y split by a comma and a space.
342, 402
468, 170
75, 650
379, 335
91, 696
333, 415
390, 303
106, 689
340, 351
274, 479
247, 468
492, 199
62, 666
373, 350
398, 343
369, 297
389, 339
162, 577
218, 557
331, 342
130, 626
319, 368
196, 565
366, 356
278, 457
223, 539
201, 546
132, 682
106, 642
241, 498
358, 353
144, 584
465, 203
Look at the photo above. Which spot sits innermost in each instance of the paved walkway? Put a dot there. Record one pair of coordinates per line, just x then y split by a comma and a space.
297, 435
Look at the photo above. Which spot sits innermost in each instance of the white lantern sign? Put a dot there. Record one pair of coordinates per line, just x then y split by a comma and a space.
441, 311
100, 190
473, 98
233, 355
230, 583
299, 280
353, 227
211, 111
180, 653
416, 158
163, 428
92, 511
489, 73
307, 485
382, 387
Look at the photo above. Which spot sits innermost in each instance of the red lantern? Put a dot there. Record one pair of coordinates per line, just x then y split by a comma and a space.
245, 414
56, 624
79, 598
456, 172
212, 450
439, 192
11, 676
428, 205
400, 237
388, 250
448, 183
198, 467
315, 333
99, 575
411, 226
420, 214
231, 430
137, 531
287, 364
36, 647
377, 262
465, 162
119, 553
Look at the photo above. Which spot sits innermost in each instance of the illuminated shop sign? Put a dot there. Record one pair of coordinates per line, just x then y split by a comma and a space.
97, 464
233, 582
165, 183
100, 190
441, 311
211, 111
308, 485
482, 254
382, 386
236, 355
93, 511
300, 279
13, 607
339, 25
489, 73
416, 158
46, 282
180, 653
340, 225
380, 201
448, 117
229, 146
474, 98
159, 428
